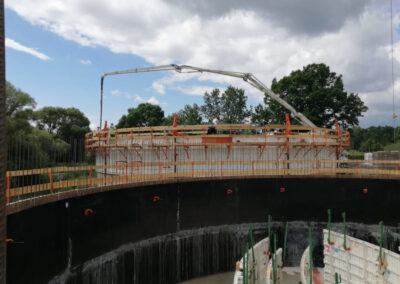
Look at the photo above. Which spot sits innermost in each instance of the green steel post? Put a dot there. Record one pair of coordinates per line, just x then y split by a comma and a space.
344, 229
329, 226
253, 272
310, 245
285, 243
246, 264
336, 278
380, 240
274, 264
269, 232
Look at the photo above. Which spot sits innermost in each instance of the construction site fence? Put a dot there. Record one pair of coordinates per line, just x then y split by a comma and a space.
23, 184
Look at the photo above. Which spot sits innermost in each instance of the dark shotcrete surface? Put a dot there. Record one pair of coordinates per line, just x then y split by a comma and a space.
55, 239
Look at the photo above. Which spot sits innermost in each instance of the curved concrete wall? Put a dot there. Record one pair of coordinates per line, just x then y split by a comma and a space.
60, 239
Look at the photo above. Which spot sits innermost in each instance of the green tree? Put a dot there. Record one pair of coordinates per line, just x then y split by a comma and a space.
19, 111
373, 138
228, 107
261, 115
65, 123
212, 106
144, 114
319, 94
189, 115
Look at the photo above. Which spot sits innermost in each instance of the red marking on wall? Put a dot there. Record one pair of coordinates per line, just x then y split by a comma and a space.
365, 190
282, 189
88, 212
229, 191
156, 198
216, 139
317, 277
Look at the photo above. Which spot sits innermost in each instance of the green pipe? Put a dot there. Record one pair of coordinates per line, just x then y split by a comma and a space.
269, 232
336, 278
310, 245
380, 240
253, 272
274, 264
285, 243
244, 267
344, 229
246, 264
329, 226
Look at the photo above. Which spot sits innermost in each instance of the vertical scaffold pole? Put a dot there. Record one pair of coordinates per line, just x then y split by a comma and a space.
310, 250
3, 151
285, 243
269, 232
344, 230
253, 272
380, 240
247, 263
329, 226
274, 262
244, 266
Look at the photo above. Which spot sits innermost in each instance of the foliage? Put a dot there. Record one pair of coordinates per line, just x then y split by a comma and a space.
36, 149
65, 123
212, 106
261, 116
144, 114
392, 147
32, 147
356, 155
319, 94
189, 115
371, 139
228, 107
19, 111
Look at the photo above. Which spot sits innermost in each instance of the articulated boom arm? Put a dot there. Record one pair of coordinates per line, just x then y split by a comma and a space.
247, 77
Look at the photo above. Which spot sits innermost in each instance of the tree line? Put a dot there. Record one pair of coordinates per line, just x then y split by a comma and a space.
43, 137
315, 91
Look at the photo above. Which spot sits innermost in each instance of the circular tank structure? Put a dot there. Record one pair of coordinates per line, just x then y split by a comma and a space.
167, 204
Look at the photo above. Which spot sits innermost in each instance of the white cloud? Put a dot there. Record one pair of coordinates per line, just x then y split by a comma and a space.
139, 99
85, 61
152, 100
118, 93
195, 90
267, 38
10, 43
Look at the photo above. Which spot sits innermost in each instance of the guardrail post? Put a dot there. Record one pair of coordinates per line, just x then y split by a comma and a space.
51, 180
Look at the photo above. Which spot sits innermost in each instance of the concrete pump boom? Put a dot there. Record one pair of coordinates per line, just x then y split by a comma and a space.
247, 77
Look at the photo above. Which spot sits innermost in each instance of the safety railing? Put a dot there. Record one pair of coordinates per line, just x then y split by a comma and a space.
189, 135
22, 184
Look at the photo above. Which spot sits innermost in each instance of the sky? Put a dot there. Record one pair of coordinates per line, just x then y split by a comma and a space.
57, 50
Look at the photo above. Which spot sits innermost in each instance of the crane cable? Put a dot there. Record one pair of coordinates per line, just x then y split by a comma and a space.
391, 44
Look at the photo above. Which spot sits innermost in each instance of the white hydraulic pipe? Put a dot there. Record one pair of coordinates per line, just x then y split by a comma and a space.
247, 77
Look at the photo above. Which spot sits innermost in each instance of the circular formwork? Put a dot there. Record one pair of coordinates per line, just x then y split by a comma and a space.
169, 232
